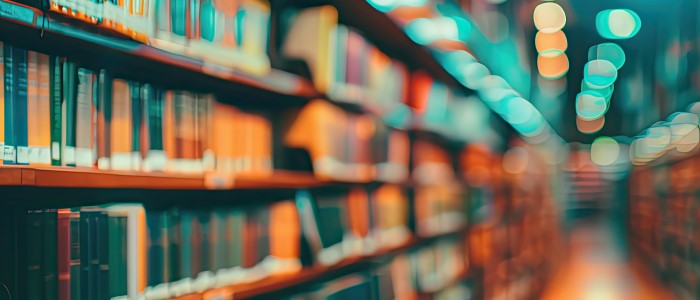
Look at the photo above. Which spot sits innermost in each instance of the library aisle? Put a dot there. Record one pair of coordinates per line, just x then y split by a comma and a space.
596, 268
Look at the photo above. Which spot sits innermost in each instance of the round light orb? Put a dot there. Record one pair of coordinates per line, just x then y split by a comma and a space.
553, 67
618, 23
605, 151
551, 44
590, 105
608, 51
599, 73
589, 126
549, 17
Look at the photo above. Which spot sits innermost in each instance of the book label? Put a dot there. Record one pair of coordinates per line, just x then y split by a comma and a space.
33, 155
9, 154
55, 151
44, 155
22, 155
69, 156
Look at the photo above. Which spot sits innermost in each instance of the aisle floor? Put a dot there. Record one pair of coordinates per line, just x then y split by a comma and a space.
596, 268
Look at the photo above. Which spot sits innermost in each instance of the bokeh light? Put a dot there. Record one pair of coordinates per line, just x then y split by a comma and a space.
605, 151
551, 44
589, 126
590, 105
599, 73
608, 51
605, 92
549, 17
553, 67
515, 160
618, 23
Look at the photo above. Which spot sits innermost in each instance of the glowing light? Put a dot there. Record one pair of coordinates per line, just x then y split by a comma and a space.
517, 110
599, 73
425, 31
549, 17
551, 44
604, 151
388, 5
589, 126
474, 75
590, 105
608, 51
683, 118
553, 67
605, 92
515, 160
534, 126
689, 142
618, 23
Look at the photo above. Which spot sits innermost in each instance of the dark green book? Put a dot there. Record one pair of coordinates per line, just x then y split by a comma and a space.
9, 152
174, 245
329, 217
56, 72
89, 262
217, 239
235, 222
75, 270
136, 118
204, 221
50, 255
116, 224
70, 103
263, 219
35, 274
101, 268
187, 257
157, 241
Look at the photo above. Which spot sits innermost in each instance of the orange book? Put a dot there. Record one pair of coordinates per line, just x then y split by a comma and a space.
320, 128
223, 139
43, 111
33, 106
358, 210
121, 126
390, 207
285, 230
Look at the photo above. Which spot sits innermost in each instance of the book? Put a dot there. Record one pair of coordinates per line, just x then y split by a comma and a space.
89, 261
102, 267
83, 135
43, 135
63, 254
103, 107
50, 253
34, 264
117, 235
2, 101
69, 113
21, 64
121, 127
76, 289
32, 117
136, 123
9, 153
56, 109
157, 246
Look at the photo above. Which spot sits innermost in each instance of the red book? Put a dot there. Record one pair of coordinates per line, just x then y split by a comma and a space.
63, 254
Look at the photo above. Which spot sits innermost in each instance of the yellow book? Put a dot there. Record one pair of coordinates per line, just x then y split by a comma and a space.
43, 111
32, 106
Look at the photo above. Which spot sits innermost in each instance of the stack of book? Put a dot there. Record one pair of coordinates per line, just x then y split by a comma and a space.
233, 34
348, 146
343, 64
57, 113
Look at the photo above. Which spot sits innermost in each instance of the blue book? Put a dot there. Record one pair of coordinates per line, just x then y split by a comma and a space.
20, 106
9, 156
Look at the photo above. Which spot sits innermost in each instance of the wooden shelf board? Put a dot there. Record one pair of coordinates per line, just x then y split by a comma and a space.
278, 283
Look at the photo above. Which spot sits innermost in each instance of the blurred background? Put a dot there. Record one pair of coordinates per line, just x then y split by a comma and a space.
350, 149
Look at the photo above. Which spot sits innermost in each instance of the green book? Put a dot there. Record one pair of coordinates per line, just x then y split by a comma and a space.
174, 245
136, 120
69, 111
50, 255
56, 73
235, 222
75, 288
204, 221
116, 224
35, 274
187, 258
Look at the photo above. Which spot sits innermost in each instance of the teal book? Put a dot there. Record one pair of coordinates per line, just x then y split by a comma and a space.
263, 219
157, 241
178, 15
204, 222
75, 286
89, 262
217, 240
208, 21
154, 116
174, 245
35, 273
101, 267
50, 254
104, 119
56, 74
187, 257
136, 117
70, 106
20, 105
330, 215
235, 222
116, 226
9, 151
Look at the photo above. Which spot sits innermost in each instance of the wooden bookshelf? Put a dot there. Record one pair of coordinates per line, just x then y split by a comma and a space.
277, 284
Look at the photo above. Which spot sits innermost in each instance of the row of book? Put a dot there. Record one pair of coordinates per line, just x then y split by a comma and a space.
343, 64
438, 270
663, 229
115, 250
57, 113
233, 34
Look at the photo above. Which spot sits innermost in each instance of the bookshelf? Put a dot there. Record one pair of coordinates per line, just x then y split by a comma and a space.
274, 185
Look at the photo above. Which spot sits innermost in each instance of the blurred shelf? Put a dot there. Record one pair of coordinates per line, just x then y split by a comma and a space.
277, 284
90, 44
75, 177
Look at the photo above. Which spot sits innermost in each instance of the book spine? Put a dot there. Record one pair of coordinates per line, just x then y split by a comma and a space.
155, 155
56, 109
178, 15
102, 254
75, 259
35, 274
43, 111
9, 156
204, 219
2, 102
121, 124
50, 257
117, 255
250, 240
70, 103
263, 219
136, 119
156, 246
63, 254
174, 245
83, 119
186, 246
32, 116
217, 240
235, 224
104, 120
20, 119
88, 249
